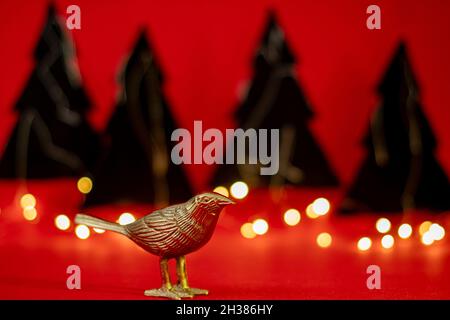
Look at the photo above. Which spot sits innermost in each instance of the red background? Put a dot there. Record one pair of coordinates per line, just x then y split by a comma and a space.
206, 50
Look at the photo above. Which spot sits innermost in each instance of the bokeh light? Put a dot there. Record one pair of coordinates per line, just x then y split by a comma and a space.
30, 213
82, 232
324, 240
27, 201
260, 226
97, 230
387, 241
437, 231
310, 212
126, 218
292, 217
424, 227
247, 230
321, 206
84, 185
383, 225
405, 231
222, 190
364, 243
239, 190
62, 222
427, 238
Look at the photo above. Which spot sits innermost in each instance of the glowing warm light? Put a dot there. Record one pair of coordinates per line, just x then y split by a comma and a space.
405, 231
364, 243
383, 225
27, 201
239, 190
437, 231
30, 213
310, 212
247, 230
424, 227
82, 231
84, 185
62, 222
222, 190
427, 238
97, 230
126, 218
260, 226
324, 240
387, 241
292, 217
321, 206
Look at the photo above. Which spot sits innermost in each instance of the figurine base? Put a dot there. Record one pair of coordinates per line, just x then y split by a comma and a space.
162, 293
190, 291
176, 293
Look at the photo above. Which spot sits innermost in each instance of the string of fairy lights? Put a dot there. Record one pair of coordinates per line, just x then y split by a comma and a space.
429, 232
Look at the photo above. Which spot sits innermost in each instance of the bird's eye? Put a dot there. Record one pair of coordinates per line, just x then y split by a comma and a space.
208, 200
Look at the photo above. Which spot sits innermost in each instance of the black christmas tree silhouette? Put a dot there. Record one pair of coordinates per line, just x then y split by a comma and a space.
276, 101
137, 166
400, 171
52, 137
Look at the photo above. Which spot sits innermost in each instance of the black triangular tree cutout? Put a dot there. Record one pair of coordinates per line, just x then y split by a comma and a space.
400, 170
276, 101
52, 137
137, 166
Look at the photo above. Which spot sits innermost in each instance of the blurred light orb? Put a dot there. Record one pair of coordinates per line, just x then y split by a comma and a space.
424, 227
27, 201
126, 218
387, 241
364, 243
260, 226
321, 206
437, 231
247, 231
310, 212
324, 240
427, 238
222, 190
82, 232
97, 230
383, 225
30, 213
84, 185
292, 217
405, 231
62, 222
239, 190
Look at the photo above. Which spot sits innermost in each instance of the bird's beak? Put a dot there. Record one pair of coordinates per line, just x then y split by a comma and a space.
224, 201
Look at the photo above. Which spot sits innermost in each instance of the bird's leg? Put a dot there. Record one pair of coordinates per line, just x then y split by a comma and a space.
182, 285
166, 289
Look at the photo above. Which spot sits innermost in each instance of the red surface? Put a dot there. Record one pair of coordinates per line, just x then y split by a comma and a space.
285, 263
206, 50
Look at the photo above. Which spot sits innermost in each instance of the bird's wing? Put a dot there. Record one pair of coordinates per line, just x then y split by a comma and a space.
156, 230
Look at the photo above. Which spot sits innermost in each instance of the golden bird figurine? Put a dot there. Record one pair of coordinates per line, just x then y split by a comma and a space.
172, 232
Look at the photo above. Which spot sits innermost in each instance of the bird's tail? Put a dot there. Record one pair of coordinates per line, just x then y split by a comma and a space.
99, 223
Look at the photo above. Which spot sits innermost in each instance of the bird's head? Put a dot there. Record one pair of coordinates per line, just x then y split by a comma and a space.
212, 202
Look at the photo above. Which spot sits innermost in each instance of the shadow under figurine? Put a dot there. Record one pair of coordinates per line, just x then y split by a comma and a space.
171, 233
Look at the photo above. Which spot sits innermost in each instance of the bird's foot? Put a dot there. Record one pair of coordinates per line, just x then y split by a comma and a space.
163, 292
190, 292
